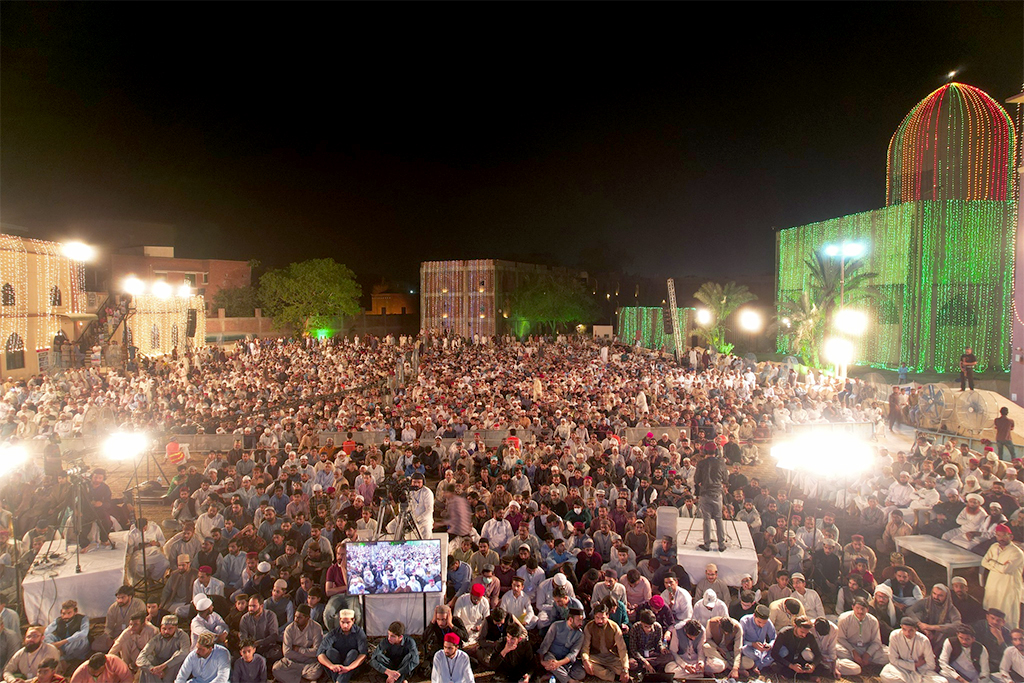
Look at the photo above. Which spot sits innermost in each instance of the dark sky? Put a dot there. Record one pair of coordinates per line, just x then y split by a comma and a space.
671, 138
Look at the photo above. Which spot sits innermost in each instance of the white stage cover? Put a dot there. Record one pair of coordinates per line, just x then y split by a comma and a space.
381, 610
738, 559
102, 574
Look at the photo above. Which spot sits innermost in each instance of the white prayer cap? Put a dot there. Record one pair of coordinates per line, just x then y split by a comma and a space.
202, 602
976, 497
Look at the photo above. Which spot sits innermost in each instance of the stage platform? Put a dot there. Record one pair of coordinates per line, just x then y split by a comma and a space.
45, 588
738, 559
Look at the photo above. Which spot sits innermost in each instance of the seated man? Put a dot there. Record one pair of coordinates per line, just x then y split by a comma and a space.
604, 653
164, 654
27, 661
1011, 667
472, 608
758, 638
451, 665
963, 659
517, 603
396, 656
513, 661
905, 592
686, 645
301, 642
69, 633
561, 647
723, 645
936, 616
790, 651
101, 667
130, 643
208, 663
859, 645
646, 645
343, 649
911, 659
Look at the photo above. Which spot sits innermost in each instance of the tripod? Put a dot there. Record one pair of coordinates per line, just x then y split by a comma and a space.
405, 525
146, 584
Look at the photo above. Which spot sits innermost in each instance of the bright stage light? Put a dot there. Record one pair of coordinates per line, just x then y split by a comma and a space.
850, 321
852, 249
832, 250
12, 456
838, 351
125, 445
134, 286
78, 251
825, 454
184, 290
704, 316
750, 320
787, 322
162, 290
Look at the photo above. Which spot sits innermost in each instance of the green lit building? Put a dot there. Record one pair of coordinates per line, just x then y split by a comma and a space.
943, 246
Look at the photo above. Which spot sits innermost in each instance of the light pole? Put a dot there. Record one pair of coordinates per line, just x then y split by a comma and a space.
843, 251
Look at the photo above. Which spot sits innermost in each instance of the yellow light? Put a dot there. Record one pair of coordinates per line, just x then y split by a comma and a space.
750, 320
850, 321
125, 445
184, 290
78, 251
162, 290
134, 286
838, 351
704, 316
12, 456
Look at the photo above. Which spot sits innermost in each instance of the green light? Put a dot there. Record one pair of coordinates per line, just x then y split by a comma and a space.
647, 322
323, 333
945, 276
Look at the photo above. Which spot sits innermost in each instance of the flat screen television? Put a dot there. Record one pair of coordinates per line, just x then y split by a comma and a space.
386, 567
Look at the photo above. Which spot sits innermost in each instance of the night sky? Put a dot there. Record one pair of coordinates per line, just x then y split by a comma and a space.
658, 139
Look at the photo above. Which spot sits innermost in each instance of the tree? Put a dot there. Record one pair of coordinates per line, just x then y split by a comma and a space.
801, 322
237, 302
722, 301
556, 302
309, 294
810, 315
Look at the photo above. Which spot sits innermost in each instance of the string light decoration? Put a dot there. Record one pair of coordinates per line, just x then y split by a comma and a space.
647, 324
35, 270
943, 248
957, 143
158, 324
944, 273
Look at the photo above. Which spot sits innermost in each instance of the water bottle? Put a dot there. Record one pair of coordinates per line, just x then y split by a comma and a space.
552, 679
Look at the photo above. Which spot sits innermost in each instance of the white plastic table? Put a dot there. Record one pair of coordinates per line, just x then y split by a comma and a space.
940, 552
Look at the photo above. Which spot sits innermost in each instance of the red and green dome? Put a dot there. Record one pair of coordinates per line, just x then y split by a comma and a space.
957, 143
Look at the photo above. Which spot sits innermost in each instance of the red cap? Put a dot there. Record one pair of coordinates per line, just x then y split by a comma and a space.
478, 590
453, 638
206, 569
1003, 528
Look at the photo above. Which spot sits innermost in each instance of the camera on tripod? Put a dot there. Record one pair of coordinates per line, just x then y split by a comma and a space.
397, 490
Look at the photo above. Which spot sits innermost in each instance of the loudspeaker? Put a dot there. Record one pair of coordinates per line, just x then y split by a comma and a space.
190, 328
693, 340
666, 320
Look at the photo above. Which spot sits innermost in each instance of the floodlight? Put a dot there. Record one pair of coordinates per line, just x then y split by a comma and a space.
134, 286
850, 321
78, 251
787, 322
832, 250
125, 445
852, 249
838, 351
184, 290
750, 320
12, 456
704, 316
162, 290
825, 454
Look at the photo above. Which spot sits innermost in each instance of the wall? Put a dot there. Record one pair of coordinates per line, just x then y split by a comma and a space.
219, 273
393, 303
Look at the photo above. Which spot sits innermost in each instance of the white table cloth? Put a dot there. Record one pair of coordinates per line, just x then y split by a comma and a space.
45, 588
738, 559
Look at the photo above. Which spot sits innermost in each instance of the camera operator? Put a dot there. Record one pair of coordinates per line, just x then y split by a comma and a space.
421, 507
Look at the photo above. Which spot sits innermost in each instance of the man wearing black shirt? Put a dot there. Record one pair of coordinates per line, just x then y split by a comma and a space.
788, 649
967, 362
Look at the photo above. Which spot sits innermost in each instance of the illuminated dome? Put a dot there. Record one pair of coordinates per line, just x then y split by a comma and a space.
957, 143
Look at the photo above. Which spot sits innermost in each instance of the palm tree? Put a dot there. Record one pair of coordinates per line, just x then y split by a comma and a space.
827, 281
722, 301
802, 321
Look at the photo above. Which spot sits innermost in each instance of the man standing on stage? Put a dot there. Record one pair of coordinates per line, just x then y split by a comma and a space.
967, 362
710, 477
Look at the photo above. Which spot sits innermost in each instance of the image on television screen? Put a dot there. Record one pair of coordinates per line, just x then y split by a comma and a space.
384, 567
